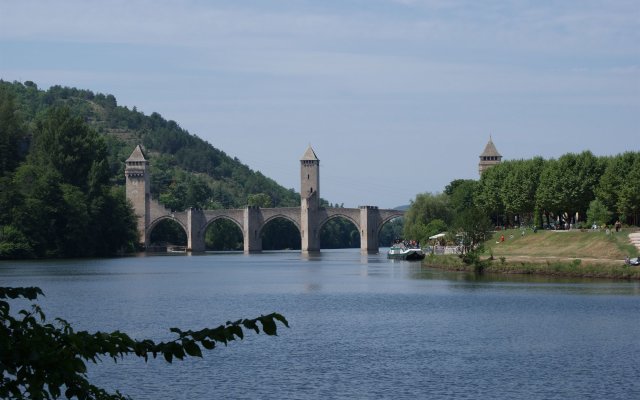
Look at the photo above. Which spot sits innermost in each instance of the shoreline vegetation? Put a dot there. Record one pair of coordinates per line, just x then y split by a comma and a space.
577, 253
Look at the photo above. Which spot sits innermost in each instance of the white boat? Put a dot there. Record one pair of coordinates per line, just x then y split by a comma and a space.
402, 251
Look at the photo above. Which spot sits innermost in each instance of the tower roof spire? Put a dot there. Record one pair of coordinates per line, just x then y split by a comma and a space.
490, 149
136, 155
309, 155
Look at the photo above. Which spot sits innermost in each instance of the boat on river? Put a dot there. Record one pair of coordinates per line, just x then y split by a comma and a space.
405, 251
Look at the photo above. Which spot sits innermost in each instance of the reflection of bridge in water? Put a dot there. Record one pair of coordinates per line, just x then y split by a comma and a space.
308, 218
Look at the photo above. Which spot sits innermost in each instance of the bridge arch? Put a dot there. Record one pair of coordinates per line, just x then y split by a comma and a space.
271, 218
221, 233
340, 230
161, 219
346, 216
218, 218
280, 232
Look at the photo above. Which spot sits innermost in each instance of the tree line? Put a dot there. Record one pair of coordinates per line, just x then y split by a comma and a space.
55, 191
576, 189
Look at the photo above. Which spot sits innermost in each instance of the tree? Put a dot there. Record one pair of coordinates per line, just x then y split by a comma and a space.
60, 199
616, 168
423, 210
474, 227
39, 360
629, 198
551, 184
597, 214
520, 186
12, 134
567, 185
262, 200
64, 143
489, 195
461, 194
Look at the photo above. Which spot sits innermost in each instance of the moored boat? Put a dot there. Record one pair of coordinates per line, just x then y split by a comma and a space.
405, 251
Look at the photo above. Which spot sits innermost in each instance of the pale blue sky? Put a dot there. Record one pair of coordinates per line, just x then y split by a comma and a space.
397, 97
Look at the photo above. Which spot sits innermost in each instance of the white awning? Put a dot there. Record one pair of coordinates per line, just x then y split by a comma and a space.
438, 236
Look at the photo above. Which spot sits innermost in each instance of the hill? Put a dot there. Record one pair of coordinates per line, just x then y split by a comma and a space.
186, 170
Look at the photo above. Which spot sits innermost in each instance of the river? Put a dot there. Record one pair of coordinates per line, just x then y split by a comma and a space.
360, 327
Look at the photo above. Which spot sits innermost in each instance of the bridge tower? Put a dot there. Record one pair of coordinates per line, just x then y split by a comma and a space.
138, 189
310, 201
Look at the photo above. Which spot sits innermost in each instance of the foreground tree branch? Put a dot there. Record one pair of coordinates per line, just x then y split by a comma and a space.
39, 360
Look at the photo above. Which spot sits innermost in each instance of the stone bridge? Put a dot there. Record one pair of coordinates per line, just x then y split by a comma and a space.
308, 218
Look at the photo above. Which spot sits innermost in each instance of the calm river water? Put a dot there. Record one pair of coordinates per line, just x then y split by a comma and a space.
361, 327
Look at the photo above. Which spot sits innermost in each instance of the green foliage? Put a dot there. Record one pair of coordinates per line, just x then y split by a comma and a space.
489, 197
41, 360
461, 193
423, 210
628, 203
260, 200
474, 227
568, 184
519, 189
59, 201
64, 143
598, 213
524, 191
14, 244
12, 134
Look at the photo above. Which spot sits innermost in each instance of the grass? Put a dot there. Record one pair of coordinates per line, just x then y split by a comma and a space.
559, 253
562, 244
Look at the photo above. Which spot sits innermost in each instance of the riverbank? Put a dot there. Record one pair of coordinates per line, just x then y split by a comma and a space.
577, 268
591, 254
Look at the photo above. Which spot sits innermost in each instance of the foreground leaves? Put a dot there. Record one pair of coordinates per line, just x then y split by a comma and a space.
39, 360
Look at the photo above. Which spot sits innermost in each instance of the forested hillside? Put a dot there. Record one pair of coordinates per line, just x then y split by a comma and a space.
56, 198
186, 170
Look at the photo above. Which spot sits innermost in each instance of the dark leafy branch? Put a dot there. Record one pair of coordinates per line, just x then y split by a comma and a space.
39, 360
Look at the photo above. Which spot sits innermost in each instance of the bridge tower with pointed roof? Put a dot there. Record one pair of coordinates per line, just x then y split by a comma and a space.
309, 200
489, 157
138, 188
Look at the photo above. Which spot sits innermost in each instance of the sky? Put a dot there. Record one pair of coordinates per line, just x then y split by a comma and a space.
396, 97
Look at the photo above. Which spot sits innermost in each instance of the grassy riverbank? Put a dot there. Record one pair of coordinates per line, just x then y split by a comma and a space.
559, 253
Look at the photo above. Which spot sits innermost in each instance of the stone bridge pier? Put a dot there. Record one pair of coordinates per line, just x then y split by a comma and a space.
309, 218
